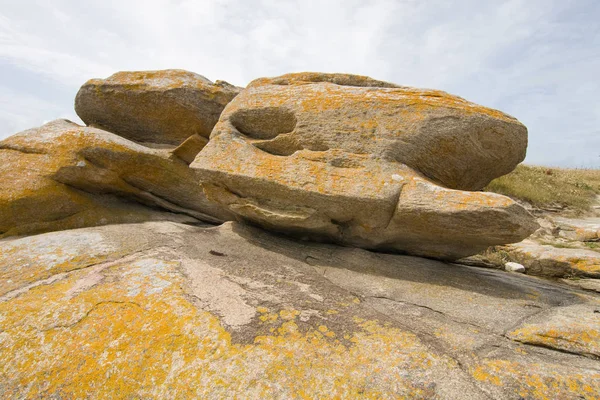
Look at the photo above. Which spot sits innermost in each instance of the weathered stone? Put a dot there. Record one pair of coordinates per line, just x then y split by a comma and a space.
189, 149
575, 329
62, 176
582, 230
329, 162
584, 283
302, 78
163, 107
547, 260
455, 142
166, 310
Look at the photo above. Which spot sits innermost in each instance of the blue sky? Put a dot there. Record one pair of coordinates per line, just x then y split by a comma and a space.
538, 60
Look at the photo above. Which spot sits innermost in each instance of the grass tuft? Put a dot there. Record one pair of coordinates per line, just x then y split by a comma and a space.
543, 187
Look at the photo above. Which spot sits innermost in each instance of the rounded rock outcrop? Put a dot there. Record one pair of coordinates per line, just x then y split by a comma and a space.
64, 176
161, 107
329, 157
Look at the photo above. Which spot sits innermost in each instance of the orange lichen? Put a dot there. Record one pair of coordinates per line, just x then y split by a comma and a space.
535, 381
61, 157
578, 337
302, 78
587, 266
138, 336
411, 104
155, 80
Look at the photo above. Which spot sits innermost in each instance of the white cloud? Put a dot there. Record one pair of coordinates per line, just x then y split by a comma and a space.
535, 59
20, 111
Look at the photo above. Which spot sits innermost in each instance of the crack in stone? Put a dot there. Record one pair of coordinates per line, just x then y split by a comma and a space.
87, 314
64, 275
168, 205
523, 320
21, 149
458, 321
429, 340
550, 347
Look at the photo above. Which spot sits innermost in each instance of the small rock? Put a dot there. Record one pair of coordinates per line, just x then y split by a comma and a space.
514, 267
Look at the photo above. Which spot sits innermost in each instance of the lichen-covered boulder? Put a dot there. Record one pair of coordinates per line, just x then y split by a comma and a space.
302, 78
62, 175
166, 310
365, 166
159, 107
460, 144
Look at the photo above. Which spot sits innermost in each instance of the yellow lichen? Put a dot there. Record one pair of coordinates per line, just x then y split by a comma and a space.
41, 197
581, 337
136, 335
536, 381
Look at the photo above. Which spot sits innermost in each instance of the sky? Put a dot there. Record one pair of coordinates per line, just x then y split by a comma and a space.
538, 60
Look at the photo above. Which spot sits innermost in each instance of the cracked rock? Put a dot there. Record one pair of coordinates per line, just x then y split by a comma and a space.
153, 314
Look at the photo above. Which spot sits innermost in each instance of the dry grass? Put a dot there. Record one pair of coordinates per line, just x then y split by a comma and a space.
543, 187
496, 255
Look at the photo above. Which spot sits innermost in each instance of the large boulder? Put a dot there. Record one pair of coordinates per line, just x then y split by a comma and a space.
159, 107
460, 144
62, 175
165, 310
372, 167
301, 78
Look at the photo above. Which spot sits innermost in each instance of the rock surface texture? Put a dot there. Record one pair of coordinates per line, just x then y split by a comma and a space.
564, 248
167, 310
158, 107
460, 144
62, 176
547, 260
326, 156
161, 284
582, 230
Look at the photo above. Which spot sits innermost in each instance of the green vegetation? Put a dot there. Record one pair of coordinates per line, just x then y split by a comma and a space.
574, 189
592, 245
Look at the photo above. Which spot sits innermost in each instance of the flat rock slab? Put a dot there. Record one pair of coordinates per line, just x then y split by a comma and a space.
584, 229
585, 283
547, 260
167, 310
574, 329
